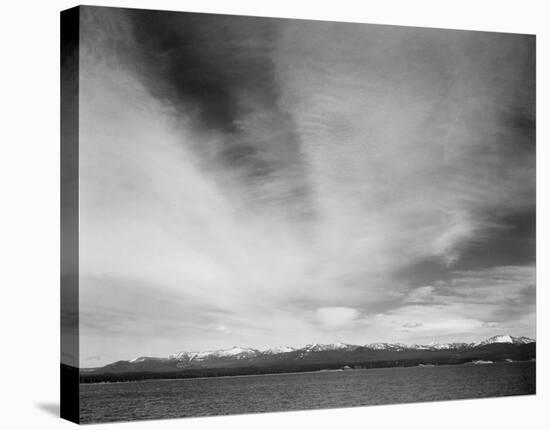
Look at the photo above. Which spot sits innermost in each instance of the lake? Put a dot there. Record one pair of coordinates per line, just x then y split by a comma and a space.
174, 398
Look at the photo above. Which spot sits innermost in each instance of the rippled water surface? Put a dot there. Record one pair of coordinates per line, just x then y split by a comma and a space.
174, 398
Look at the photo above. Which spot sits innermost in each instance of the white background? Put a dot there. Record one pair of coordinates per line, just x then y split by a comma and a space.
29, 216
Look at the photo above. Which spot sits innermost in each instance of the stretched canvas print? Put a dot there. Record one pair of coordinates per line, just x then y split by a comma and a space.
264, 214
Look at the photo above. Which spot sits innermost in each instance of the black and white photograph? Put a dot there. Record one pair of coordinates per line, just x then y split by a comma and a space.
274, 214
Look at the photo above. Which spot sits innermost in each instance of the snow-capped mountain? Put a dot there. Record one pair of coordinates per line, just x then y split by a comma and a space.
313, 348
317, 347
234, 352
384, 346
436, 346
506, 339
142, 359
278, 350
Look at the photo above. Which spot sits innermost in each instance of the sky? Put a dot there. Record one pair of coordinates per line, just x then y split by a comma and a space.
261, 182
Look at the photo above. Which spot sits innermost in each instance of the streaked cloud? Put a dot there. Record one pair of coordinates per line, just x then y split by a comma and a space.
271, 184
469, 304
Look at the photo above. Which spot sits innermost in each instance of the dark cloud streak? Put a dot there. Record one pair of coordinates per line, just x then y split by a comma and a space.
217, 72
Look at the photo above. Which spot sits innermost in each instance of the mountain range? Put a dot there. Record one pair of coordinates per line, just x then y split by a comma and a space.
240, 360
239, 353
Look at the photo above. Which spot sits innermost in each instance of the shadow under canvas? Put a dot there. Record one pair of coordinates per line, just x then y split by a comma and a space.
50, 408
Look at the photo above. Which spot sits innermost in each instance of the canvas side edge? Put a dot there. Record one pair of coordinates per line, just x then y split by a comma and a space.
69, 241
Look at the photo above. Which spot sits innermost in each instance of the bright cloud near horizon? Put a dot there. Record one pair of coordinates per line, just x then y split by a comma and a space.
263, 182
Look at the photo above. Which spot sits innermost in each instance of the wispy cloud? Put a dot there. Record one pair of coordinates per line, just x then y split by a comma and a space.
468, 305
280, 203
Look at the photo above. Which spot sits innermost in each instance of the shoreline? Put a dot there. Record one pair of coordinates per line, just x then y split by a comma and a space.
470, 363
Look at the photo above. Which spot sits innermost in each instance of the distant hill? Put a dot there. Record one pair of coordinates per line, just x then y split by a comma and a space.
243, 361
